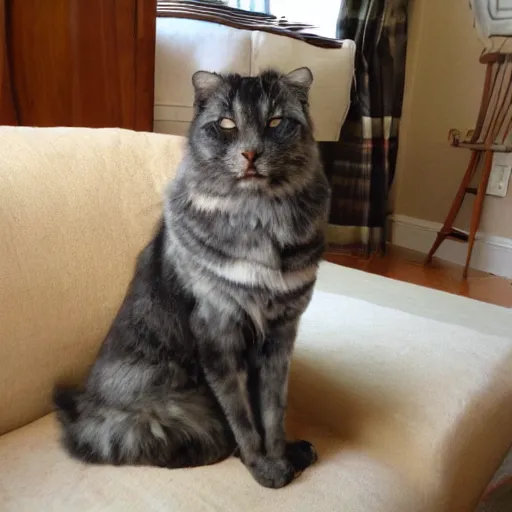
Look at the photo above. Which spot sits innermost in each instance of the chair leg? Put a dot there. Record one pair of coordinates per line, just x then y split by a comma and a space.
456, 205
438, 241
477, 208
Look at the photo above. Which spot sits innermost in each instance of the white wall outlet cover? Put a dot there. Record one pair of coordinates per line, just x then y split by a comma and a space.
500, 176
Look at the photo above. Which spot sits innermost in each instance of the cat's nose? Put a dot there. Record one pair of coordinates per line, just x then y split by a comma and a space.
250, 156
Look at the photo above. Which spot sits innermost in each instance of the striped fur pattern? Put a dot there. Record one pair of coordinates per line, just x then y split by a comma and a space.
195, 366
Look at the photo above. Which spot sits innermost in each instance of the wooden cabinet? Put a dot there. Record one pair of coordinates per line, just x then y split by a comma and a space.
77, 63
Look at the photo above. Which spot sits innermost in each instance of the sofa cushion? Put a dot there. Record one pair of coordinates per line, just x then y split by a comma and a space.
431, 399
36, 474
407, 413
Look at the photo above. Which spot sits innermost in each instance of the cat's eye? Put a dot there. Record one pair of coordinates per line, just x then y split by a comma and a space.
274, 122
227, 124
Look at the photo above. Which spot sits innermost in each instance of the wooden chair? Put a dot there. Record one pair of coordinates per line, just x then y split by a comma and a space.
490, 135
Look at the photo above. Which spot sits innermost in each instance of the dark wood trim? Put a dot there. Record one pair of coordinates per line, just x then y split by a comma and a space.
145, 64
8, 114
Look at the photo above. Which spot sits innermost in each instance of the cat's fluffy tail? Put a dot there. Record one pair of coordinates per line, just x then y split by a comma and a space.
69, 404
185, 432
65, 401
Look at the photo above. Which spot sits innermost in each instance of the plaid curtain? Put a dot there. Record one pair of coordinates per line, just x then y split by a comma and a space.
362, 164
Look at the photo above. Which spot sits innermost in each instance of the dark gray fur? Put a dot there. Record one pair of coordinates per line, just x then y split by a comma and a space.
195, 366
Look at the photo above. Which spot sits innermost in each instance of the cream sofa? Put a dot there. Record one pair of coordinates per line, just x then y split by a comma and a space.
405, 391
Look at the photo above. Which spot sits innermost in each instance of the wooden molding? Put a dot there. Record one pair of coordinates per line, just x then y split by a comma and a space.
145, 64
492, 253
8, 114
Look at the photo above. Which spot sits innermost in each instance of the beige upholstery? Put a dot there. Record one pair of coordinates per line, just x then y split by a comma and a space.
406, 392
183, 46
75, 209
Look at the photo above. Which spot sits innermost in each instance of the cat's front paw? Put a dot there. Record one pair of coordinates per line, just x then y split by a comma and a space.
272, 473
301, 454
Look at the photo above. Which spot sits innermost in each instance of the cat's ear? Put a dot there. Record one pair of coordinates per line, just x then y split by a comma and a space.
301, 77
205, 83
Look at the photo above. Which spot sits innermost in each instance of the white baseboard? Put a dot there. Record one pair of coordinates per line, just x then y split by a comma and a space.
491, 254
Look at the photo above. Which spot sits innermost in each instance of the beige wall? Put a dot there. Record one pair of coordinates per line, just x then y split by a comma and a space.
443, 88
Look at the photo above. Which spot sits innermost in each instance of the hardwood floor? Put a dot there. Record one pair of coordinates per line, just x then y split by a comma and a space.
406, 265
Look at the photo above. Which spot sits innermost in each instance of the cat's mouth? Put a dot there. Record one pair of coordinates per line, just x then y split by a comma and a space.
251, 173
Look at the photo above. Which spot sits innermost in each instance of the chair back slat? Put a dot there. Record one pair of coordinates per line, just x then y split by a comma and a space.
505, 118
508, 131
503, 102
494, 118
495, 101
493, 129
490, 76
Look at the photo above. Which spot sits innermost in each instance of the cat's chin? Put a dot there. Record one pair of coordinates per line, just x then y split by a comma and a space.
256, 182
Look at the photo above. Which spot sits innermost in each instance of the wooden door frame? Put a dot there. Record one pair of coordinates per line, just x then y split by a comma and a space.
145, 64
8, 113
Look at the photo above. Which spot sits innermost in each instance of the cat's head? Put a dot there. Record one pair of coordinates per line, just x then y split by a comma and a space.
252, 134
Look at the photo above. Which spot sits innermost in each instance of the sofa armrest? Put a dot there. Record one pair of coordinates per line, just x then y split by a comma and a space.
77, 206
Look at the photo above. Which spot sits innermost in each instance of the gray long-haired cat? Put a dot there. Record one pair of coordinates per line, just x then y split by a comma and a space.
195, 366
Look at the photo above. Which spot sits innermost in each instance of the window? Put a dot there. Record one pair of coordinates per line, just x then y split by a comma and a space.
321, 13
